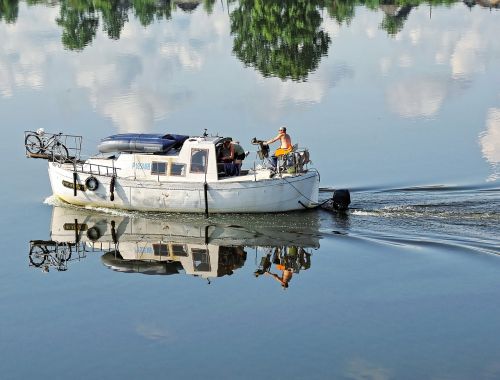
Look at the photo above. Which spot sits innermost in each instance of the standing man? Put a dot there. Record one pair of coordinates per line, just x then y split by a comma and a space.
233, 152
233, 156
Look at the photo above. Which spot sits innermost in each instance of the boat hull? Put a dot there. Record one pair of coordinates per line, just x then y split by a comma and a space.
278, 194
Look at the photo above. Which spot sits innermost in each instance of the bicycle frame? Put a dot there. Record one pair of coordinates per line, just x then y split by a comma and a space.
48, 142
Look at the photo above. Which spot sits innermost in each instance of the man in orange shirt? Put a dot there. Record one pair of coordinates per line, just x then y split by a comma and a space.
285, 140
285, 145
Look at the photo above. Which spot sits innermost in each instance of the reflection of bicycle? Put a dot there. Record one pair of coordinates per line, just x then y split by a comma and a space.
45, 254
38, 143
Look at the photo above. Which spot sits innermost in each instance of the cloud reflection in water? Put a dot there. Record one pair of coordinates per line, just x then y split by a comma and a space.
416, 98
490, 142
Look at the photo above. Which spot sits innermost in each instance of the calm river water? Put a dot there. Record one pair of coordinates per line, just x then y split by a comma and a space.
399, 102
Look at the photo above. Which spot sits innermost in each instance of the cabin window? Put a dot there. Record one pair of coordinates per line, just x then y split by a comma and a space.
178, 169
159, 168
201, 260
199, 160
160, 249
179, 250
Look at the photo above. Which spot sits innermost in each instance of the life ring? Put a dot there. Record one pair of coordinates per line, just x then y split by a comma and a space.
92, 183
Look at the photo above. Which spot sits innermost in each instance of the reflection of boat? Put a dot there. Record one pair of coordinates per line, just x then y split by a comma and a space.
178, 173
168, 245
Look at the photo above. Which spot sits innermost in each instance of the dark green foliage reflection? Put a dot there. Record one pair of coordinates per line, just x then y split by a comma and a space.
279, 38
79, 24
9, 10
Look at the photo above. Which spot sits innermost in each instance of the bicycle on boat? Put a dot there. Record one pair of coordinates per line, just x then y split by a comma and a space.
38, 143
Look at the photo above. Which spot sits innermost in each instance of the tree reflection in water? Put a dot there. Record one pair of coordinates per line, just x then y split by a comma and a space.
282, 39
9, 10
279, 38
79, 24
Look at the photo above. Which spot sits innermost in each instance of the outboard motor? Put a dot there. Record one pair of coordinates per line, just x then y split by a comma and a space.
341, 199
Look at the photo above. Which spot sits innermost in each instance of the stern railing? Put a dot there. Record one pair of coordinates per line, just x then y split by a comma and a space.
55, 147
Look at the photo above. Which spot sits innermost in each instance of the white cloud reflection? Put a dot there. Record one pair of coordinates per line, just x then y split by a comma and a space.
139, 87
153, 332
275, 96
463, 51
490, 142
360, 369
466, 57
416, 97
405, 60
24, 51
131, 81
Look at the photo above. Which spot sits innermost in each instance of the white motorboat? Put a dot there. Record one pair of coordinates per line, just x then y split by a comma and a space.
174, 173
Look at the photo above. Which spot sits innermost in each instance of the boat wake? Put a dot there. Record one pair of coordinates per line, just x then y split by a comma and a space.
465, 217
55, 201
431, 212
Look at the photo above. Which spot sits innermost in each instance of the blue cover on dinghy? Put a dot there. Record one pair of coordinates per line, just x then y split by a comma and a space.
141, 143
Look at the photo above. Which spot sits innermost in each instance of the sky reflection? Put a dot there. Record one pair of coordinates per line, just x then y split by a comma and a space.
490, 142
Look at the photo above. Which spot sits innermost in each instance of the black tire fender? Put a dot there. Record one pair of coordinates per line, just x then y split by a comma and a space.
93, 233
92, 183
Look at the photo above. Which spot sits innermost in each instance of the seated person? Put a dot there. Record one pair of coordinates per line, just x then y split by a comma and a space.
285, 144
224, 152
232, 156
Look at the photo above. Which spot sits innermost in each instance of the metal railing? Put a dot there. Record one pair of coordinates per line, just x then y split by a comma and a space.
294, 162
55, 147
88, 168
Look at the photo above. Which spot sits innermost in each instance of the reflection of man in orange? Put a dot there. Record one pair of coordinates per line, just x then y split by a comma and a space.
286, 275
280, 259
285, 140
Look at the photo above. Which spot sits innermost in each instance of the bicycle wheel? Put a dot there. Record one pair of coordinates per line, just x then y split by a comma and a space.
33, 144
60, 152
65, 252
38, 255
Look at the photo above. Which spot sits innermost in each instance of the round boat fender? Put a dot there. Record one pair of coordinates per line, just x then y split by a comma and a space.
93, 233
92, 183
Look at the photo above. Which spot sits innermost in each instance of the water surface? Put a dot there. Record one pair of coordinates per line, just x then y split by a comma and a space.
398, 102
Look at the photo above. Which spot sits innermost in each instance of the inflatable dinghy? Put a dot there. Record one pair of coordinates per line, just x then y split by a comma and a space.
141, 143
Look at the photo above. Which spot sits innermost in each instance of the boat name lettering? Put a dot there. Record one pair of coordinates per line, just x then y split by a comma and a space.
71, 226
142, 165
70, 185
